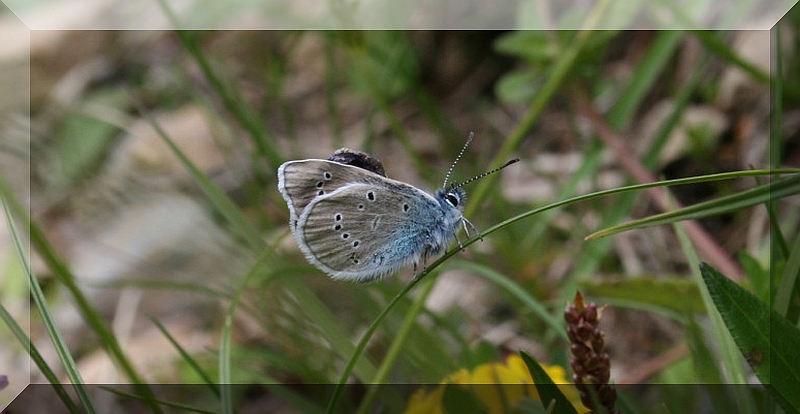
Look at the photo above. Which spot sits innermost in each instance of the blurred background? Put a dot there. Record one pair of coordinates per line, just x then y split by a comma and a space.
148, 163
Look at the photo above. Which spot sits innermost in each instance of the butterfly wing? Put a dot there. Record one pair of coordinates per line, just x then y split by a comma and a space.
302, 181
363, 232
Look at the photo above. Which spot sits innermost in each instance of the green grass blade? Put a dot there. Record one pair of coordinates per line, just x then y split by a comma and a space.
766, 339
603, 193
558, 74
732, 368
186, 357
362, 343
704, 360
65, 276
37, 358
713, 42
182, 407
659, 55
236, 104
318, 312
298, 400
224, 363
393, 352
779, 248
48, 320
729, 358
775, 153
758, 195
788, 284
556, 324
588, 169
241, 225
25, 341
652, 64
224, 359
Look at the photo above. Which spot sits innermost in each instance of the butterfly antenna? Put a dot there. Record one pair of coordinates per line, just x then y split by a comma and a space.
477, 177
464, 148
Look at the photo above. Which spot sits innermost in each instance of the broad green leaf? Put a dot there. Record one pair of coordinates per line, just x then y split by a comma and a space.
766, 339
519, 87
548, 391
83, 140
535, 47
661, 293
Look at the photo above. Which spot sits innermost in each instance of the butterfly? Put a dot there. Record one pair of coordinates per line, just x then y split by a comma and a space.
354, 223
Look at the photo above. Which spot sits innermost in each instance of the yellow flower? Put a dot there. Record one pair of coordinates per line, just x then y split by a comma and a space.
516, 383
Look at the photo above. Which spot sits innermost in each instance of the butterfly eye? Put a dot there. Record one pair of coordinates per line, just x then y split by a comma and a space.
452, 198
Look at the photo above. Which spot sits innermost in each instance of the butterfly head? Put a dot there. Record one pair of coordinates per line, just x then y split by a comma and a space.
451, 197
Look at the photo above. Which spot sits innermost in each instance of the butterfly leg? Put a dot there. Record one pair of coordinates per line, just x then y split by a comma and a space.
466, 222
418, 274
423, 259
460, 245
